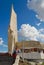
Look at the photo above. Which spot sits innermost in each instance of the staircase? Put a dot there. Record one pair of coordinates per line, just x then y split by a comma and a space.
6, 60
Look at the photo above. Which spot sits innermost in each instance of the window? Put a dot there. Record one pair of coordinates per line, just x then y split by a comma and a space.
26, 50
35, 49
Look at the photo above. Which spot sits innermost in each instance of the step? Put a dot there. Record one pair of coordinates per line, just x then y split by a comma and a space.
6, 60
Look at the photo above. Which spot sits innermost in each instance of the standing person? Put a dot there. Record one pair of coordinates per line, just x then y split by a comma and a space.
14, 55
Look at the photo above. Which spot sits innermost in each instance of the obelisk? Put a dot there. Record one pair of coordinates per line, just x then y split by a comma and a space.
12, 31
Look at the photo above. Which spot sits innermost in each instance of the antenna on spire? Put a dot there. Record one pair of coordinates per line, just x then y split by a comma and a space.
12, 7
12, 11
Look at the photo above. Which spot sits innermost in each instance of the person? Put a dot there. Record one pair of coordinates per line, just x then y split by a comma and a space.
14, 55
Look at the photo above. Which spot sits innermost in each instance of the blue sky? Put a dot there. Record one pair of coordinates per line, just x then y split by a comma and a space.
30, 19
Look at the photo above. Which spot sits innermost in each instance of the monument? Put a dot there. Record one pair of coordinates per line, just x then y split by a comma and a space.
12, 31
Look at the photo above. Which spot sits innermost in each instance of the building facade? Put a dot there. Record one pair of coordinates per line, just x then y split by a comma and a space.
31, 50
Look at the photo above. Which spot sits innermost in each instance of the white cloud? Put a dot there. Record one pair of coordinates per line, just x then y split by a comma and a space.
38, 7
42, 31
2, 43
3, 51
38, 24
5, 45
28, 32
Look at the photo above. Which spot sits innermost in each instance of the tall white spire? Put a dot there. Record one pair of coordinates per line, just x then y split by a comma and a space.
12, 33
13, 22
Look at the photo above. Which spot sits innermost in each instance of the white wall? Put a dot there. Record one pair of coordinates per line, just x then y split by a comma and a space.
42, 55
32, 55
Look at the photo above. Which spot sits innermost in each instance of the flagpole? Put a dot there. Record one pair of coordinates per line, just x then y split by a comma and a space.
23, 51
